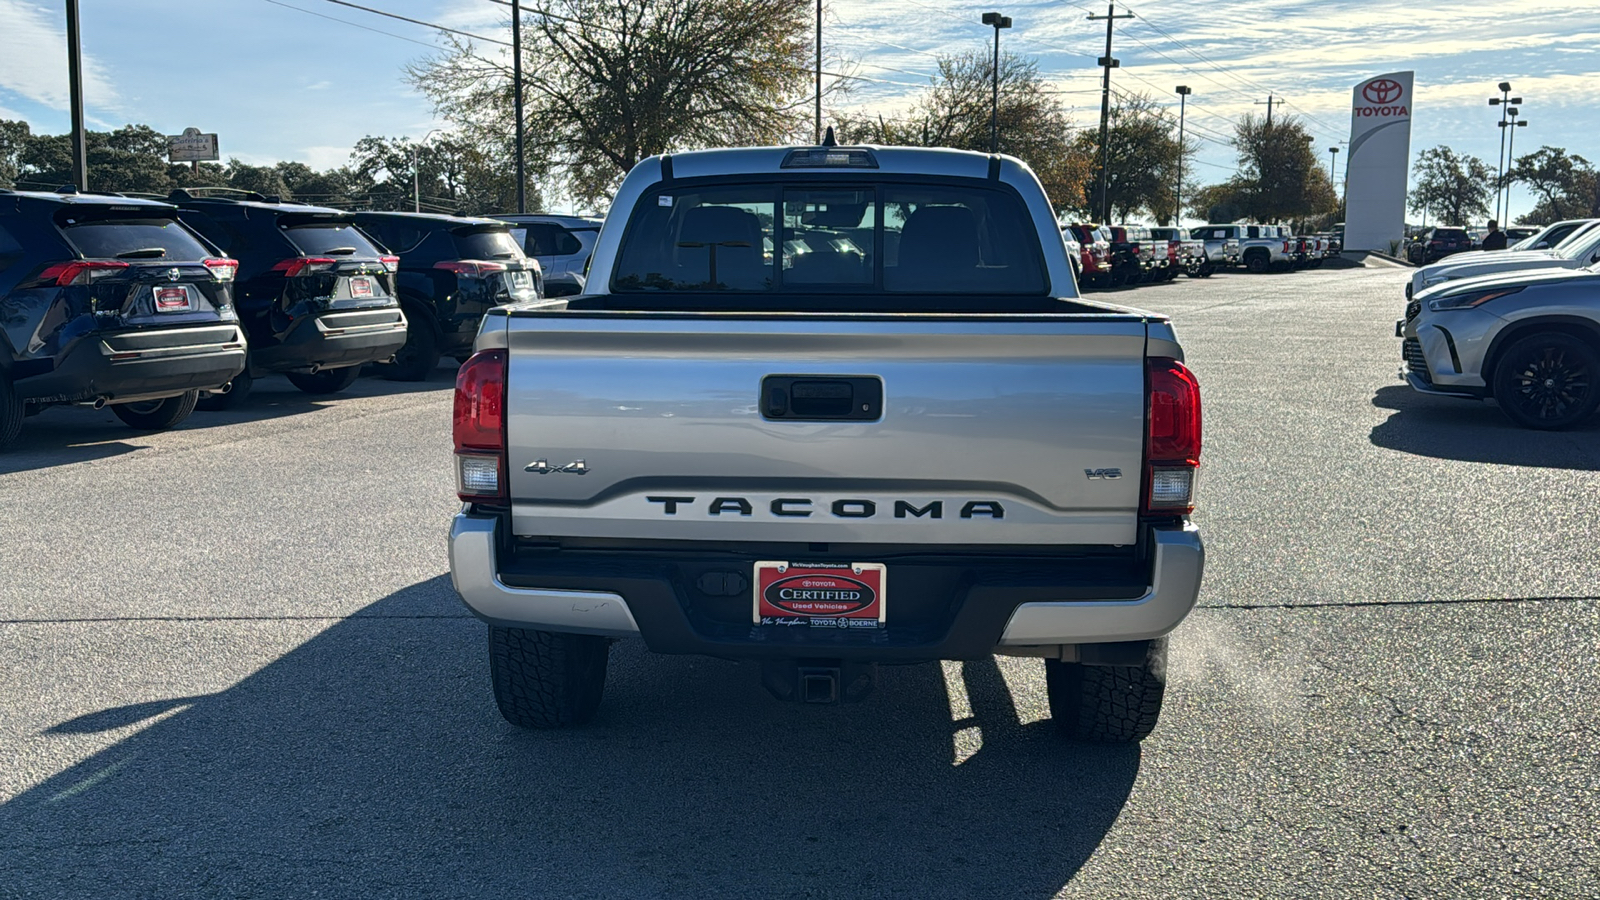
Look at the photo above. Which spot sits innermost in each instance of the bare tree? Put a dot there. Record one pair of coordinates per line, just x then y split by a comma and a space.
610, 82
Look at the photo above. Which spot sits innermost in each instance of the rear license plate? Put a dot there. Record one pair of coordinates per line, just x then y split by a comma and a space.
361, 286
174, 298
820, 595
521, 280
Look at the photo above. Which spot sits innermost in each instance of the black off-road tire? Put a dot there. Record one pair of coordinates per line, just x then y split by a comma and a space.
327, 381
420, 354
1258, 263
1108, 704
547, 679
233, 399
11, 413
157, 415
1548, 381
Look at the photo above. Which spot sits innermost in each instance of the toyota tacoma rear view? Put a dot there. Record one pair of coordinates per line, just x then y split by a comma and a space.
824, 409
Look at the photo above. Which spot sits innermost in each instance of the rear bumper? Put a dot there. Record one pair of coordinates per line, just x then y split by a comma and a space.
951, 611
140, 365
334, 340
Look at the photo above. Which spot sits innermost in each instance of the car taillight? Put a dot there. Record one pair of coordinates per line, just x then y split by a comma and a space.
479, 427
1172, 438
80, 271
222, 269
470, 267
391, 263
297, 265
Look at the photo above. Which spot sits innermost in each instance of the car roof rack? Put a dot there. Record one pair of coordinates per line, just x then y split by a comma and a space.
202, 192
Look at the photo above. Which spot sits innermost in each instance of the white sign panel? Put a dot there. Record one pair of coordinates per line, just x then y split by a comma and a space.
1379, 158
192, 146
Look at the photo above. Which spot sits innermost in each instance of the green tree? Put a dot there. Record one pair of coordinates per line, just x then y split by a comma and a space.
608, 84
1455, 187
1280, 177
14, 136
955, 112
1565, 184
1142, 157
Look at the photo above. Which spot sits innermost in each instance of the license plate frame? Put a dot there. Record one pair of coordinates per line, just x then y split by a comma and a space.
361, 288
822, 595
173, 298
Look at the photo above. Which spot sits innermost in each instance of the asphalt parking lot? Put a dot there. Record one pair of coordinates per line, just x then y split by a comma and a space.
234, 667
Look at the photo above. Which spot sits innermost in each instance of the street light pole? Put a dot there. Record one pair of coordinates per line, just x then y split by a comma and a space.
80, 157
1503, 101
819, 73
1511, 148
516, 87
999, 22
1333, 167
1177, 202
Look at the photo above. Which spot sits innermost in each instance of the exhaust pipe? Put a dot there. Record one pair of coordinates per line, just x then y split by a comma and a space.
100, 403
315, 368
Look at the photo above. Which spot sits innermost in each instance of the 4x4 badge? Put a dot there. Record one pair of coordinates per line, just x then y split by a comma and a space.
543, 467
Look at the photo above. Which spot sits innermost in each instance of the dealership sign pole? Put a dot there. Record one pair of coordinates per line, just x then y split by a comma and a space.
1377, 163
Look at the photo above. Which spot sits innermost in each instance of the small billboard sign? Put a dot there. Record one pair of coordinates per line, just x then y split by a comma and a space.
192, 146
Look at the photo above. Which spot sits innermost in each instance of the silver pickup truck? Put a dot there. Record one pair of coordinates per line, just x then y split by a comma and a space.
826, 408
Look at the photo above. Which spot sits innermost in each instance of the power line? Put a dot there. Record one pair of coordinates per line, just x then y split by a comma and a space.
351, 24
435, 26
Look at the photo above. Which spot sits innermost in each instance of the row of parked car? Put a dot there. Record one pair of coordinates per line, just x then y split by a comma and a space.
1520, 326
158, 307
1433, 244
1110, 256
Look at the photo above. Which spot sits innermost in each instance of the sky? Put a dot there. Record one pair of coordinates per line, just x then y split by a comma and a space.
305, 79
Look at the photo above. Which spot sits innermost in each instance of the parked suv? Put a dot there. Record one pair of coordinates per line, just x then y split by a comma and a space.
315, 296
1437, 243
110, 300
452, 269
561, 244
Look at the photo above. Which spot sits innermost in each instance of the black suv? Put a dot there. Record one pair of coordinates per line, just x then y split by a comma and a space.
107, 299
1437, 243
452, 269
316, 298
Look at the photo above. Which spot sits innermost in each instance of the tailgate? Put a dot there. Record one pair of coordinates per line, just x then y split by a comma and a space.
992, 429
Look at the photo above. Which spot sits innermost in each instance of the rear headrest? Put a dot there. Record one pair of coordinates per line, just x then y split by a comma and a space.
720, 225
945, 235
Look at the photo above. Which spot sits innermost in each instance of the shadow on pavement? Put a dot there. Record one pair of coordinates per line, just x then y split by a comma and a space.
370, 761
1475, 431
63, 435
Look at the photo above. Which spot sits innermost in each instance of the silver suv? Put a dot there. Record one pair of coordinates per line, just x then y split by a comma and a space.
561, 244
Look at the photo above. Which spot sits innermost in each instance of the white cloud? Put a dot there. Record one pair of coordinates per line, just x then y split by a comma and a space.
33, 59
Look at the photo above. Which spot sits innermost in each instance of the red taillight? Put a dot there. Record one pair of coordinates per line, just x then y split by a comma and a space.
391, 263
1172, 442
309, 264
470, 267
80, 271
479, 427
222, 269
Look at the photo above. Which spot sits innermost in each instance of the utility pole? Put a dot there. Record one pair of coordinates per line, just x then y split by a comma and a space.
80, 157
819, 73
1268, 103
1513, 123
1177, 203
516, 87
1107, 64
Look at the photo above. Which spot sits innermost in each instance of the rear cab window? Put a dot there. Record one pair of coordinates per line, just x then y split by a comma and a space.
859, 238
111, 234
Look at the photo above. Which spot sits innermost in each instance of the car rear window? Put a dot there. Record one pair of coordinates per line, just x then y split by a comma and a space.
127, 238
489, 242
1449, 234
546, 239
863, 239
331, 238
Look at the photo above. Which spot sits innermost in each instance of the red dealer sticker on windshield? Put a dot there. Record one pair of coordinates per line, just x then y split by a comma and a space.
820, 595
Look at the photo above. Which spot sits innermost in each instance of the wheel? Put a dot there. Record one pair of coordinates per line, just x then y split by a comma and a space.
11, 413
1257, 263
237, 392
157, 415
1107, 704
420, 354
327, 381
546, 679
1546, 381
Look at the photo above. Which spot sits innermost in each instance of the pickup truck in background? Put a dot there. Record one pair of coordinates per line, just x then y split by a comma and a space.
1184, 254
1221, 243
1094, 269
1264, 248
911, 442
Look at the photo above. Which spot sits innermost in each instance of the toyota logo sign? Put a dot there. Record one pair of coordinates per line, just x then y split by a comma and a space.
1382, 91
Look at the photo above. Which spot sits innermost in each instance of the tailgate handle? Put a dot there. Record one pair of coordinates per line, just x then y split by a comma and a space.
822, 398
